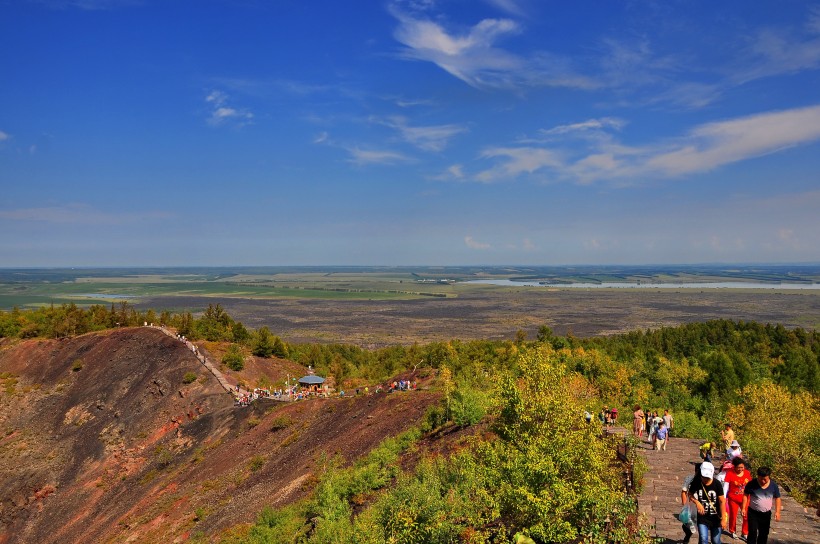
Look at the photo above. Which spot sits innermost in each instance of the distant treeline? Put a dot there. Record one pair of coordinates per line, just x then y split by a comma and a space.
70, 320
698, 366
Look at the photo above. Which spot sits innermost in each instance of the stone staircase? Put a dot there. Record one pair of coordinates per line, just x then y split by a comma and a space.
660, 499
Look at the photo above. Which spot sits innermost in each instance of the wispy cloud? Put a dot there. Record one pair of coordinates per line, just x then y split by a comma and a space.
473, 56
362, 157
454, 172
585, 127
773, 52
705, 147
813, 23
266, 87
470, 242
428, 138
716, 144
515, 161
79, 214
221, 113
4, 136
408, 103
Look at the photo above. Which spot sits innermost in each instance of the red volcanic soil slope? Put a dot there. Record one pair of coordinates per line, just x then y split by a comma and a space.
100, 440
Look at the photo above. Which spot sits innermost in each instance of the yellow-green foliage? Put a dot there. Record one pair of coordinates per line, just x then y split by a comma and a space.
547, 476
781, 429
555, 478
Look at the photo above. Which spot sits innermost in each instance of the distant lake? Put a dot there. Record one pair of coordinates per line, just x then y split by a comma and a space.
625, 285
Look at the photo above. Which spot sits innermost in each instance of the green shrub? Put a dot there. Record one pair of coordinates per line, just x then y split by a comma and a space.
234, 358
468, 406
689, 425
272, 526
436, 417
77, 366
190, 377
281, 422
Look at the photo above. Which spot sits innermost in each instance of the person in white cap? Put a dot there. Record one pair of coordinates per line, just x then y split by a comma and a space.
707, 496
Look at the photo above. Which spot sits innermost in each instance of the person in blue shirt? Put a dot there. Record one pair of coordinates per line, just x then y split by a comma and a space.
661, 436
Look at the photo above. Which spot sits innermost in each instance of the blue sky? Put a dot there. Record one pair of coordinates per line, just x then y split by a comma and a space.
408, 132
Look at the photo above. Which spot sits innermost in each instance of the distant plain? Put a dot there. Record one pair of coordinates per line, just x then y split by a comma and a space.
376, 306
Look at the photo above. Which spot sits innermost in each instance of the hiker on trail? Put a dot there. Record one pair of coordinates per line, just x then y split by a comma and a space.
613, 416
661, 436
734, 450
759, 496
707, 450
690, 527
637, 421
653, 428
669, 420
728, 436
734, 484
707, 495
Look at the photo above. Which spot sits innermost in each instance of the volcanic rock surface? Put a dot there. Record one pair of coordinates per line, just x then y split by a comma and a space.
101, 441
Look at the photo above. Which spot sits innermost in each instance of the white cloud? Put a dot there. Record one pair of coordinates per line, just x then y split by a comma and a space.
473, 244
80, 214
590, 125
364, 157
428, 138
222, 113
473, 57
528, 245
320, 138
716, 144
454, 172
704, 148
813, 23
516, 161
773, 52
407, 103
216, 97
4, 136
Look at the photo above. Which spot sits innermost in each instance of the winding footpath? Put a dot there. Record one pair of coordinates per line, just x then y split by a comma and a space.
660, 498
220, 377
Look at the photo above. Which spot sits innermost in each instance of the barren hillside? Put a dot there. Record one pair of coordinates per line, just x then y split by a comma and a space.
100, 440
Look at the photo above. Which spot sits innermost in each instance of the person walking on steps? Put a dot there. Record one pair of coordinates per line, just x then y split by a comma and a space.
707, 495
690, 527
759, 497
660, 437
734, 485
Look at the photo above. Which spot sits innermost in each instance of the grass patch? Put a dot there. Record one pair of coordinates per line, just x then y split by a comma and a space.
281, 422
256, 462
